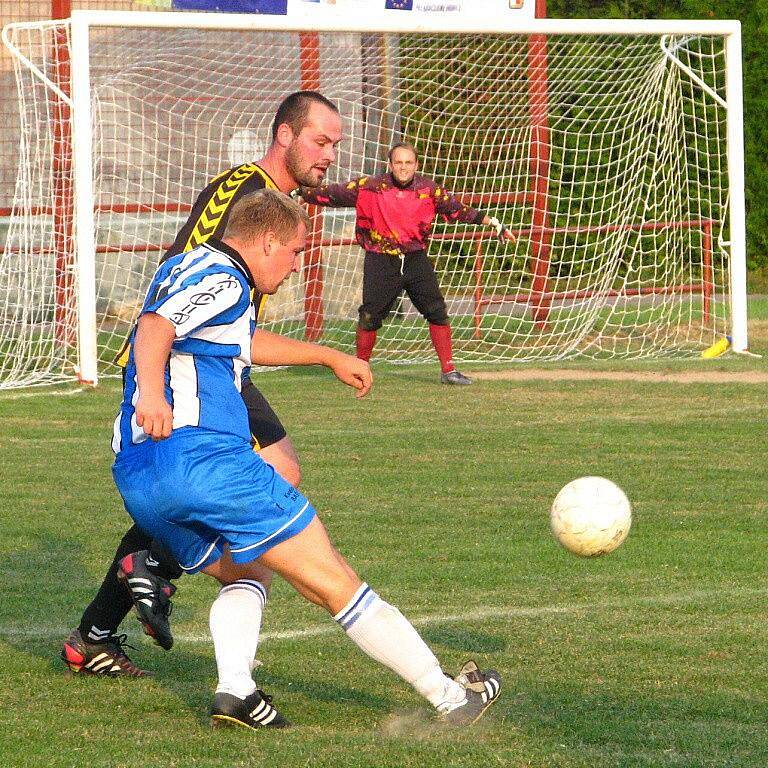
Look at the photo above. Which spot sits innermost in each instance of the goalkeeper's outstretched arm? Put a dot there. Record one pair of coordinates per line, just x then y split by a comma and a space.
452, 209
333, 195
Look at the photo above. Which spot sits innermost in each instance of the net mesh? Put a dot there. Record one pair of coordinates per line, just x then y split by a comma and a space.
604, 155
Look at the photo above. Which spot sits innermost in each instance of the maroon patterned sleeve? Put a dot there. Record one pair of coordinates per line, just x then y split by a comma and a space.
452, 209
334, 195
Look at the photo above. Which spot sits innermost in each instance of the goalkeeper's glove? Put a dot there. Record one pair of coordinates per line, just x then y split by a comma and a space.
502, 233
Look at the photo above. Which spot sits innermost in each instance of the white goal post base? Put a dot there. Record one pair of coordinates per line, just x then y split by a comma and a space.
613, 150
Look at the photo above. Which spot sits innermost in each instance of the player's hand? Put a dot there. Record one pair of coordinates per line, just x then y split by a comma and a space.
353, 371
155, 416
502, 233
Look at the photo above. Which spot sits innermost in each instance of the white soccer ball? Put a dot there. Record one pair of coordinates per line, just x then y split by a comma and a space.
591, 516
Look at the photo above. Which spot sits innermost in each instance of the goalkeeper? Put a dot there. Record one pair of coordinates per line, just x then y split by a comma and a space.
395, 213
305, 131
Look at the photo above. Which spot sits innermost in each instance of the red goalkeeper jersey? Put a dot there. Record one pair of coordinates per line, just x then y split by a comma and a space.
391, 219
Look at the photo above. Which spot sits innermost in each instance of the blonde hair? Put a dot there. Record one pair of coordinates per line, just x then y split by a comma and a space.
265, 211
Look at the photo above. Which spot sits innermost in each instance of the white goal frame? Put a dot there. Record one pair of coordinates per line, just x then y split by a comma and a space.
83, 21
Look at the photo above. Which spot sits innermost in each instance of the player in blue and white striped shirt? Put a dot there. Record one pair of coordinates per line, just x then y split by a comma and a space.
205, 294
188, 476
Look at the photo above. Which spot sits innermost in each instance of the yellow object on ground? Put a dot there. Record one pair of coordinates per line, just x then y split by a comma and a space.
718, 348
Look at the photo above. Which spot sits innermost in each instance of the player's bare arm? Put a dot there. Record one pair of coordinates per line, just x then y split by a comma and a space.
350, 370
154, 337
272, 349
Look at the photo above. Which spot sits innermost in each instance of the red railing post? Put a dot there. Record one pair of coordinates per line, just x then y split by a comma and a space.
64, 317
539, 170
309, 43
478, 289
707, 279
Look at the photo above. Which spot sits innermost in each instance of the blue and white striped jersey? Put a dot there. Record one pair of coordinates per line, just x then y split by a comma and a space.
206, 294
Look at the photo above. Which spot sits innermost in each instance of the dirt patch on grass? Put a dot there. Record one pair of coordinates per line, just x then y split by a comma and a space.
683, 377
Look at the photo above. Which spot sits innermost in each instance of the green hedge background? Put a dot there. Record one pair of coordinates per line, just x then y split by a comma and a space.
754, 28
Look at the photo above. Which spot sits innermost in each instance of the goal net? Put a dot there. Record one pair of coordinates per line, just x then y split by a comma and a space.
609, 156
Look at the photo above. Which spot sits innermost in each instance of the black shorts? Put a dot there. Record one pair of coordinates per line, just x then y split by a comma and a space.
265, 427
384, 277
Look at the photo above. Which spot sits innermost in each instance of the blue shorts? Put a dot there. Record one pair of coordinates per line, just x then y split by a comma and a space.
198, 491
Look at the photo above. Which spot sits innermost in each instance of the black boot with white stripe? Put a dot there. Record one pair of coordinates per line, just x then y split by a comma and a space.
106, 657
254, 711
482, 689
151, 595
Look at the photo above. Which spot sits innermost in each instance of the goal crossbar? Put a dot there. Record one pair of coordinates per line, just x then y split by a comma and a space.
442, 23
724, 227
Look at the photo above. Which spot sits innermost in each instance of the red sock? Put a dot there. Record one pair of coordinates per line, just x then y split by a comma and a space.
441, 340
365, 341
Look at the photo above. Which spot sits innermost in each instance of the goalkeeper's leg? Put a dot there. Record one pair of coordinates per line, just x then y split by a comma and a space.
424, 291
382, 284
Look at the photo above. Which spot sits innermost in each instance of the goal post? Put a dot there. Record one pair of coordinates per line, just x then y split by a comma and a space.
85, 232
737, 213
612, 149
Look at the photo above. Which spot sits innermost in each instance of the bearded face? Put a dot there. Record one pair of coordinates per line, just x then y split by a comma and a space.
310, 154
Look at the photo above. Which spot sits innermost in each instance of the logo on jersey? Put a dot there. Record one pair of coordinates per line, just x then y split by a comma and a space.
202, 299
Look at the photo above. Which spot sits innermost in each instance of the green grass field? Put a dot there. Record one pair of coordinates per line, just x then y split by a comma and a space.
652, 656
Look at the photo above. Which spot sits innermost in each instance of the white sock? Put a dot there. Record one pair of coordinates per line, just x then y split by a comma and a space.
382, 632
235, 622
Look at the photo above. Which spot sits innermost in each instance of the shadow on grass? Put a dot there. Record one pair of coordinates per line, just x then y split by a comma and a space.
44, 592
467, 640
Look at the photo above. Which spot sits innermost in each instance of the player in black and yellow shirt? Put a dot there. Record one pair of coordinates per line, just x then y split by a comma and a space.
305, 133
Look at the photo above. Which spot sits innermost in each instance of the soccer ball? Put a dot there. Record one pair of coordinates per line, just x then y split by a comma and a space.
591, 516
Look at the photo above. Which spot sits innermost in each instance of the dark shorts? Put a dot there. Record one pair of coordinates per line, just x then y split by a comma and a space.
263, 422
384, 277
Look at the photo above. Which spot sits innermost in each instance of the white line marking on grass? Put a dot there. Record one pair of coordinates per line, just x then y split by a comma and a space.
11, 633
40, 393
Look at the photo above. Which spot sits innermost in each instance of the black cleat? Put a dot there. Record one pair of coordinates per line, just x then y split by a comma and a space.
455, 378
151, 595
254, 711
106, 658
482, 689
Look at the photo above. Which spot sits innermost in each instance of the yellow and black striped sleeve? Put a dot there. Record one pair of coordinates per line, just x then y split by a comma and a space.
209, 214
208, 218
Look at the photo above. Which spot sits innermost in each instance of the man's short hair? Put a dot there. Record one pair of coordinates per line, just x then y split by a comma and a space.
294, 110
264, 211
402, 145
